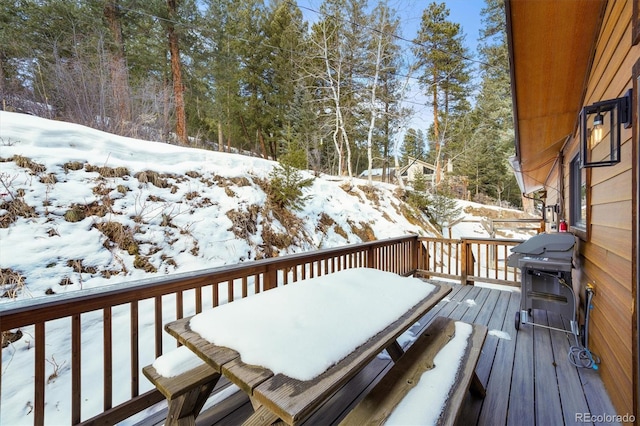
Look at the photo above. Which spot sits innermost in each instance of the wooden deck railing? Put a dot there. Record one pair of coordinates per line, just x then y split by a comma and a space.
132, 316
468, 260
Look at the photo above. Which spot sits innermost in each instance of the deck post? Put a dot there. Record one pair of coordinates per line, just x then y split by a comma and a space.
371, 263
270, 278
463, 262
415, 244
467, 262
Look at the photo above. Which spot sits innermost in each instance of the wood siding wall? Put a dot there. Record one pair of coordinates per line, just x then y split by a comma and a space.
606, 248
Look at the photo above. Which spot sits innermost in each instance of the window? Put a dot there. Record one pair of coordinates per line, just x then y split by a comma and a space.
578, 196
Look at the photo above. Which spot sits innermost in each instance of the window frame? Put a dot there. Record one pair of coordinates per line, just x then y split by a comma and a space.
578, 177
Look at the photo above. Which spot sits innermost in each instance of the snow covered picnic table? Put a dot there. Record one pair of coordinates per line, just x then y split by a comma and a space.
293, 347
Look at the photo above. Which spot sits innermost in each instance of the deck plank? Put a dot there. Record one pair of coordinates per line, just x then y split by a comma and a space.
529, 379
521, 397
593, 390
571, 393
496, 322
475, 307
547, 396
471, 407
495, 405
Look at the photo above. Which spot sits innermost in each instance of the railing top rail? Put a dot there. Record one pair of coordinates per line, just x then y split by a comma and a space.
503, 220
479, 239
20, 312
518, 220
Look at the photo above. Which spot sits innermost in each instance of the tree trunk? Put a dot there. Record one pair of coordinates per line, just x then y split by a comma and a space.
263, 146
372, 123
436, 130
118, 67
220, 137
3, 107
178, 88
333, 77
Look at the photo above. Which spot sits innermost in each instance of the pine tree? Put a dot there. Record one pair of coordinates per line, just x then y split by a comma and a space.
13, 49
389, 87
445, 76
284, 34
487, 165
223, 71
413, 146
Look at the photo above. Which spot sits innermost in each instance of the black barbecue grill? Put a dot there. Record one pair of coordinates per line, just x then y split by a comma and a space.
545, 262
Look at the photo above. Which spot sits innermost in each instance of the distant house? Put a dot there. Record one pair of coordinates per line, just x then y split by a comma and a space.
414, 166
380, 175
571, 60
458, 185
407, 172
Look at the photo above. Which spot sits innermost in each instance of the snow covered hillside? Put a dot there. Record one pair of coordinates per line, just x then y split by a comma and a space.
81, 208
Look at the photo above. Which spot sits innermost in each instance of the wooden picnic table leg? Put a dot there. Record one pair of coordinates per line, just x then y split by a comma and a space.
395, 351
477, 388
262, 417
254, 403
184, 409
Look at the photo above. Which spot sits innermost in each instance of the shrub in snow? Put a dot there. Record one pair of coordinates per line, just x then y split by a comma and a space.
286, 184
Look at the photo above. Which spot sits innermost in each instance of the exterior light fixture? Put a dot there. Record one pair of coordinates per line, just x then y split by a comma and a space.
600, 130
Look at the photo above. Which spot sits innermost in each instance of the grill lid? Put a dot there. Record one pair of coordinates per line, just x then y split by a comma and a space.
557, 246
548, 245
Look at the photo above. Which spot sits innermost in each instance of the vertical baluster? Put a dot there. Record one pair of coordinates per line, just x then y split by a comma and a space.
486, 259
76, 354
135, 362
39, 373
496, 263
214, 295
449, 257
245, 290
230, 290
179, 305
158, 325
504, 256
108, 358
199, 291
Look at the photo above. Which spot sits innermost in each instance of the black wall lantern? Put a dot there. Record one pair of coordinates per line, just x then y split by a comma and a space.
600, 131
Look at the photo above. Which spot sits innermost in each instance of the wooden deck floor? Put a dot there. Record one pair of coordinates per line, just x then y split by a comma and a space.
527, 374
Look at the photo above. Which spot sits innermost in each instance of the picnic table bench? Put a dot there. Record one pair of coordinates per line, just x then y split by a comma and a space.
186, 392
380, 402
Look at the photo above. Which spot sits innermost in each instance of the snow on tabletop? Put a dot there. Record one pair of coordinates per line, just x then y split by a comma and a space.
176, 362
302, 329
423, 404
